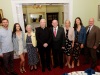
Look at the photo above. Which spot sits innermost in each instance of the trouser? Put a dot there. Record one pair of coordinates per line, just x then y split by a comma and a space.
8, 61
45, 56
57, 57
91, 52
1, 61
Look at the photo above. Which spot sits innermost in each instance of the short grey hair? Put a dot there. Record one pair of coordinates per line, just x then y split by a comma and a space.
29, 26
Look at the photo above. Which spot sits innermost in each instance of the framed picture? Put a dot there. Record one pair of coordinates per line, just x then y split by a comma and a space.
1, 16
36, 17
99, 12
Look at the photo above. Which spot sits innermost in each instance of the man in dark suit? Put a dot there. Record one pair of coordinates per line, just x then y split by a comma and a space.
92, 42
58, 43
43, 37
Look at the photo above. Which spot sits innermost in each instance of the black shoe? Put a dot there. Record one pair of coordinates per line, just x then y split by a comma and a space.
14, 73
49, 69
93, 66
7, 72
43, 70
85, 63
54, 66
61, 67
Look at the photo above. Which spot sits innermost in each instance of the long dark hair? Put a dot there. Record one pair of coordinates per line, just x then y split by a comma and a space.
14, 28
75, 25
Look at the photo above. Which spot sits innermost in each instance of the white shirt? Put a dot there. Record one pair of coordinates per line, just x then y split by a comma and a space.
90, 27
56, 29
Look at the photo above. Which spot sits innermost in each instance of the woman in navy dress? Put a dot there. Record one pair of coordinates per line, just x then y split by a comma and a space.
80, 37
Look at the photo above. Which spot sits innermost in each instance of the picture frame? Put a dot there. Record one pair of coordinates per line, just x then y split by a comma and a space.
98, 12
35, 17
1, 16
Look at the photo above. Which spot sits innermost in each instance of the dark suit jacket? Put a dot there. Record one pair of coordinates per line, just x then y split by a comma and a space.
93, 37
59, 40
43, 36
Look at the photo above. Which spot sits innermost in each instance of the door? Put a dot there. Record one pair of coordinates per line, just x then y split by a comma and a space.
50, 17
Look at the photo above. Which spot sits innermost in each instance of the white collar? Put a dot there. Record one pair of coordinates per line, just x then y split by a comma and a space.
55, 28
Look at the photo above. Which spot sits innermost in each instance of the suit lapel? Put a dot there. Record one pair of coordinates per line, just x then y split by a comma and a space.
91, 30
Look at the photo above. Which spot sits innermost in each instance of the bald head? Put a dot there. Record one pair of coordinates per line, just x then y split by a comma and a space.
42, 23
55, 23
91, 21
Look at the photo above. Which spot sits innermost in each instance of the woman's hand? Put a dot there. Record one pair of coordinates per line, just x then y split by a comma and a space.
72, 45
82, 46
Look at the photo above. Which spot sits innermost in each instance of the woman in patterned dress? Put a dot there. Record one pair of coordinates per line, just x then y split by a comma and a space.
31, 48
19, 45
69, 36
80, 37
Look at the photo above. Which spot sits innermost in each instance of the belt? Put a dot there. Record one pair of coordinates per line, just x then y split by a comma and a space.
28, 43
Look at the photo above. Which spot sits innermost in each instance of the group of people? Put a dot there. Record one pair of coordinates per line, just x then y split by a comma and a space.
66, 41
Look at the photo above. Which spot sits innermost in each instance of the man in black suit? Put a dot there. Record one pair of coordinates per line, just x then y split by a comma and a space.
43, 37
58, 43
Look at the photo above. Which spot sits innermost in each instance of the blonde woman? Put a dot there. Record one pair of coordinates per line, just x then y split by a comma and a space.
69, 36
31, 48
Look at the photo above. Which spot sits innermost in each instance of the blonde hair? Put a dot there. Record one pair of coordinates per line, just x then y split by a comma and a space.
68, 21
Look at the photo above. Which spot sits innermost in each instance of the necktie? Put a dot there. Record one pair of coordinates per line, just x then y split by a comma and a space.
55, 32
88, 31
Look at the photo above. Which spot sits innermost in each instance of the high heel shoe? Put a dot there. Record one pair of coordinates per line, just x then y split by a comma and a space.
72, 66
69, 66
31, 68
23, 69
66, 64
35, 67
78, 64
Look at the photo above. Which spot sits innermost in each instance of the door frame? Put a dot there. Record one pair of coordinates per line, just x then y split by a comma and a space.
51, 13
18, 13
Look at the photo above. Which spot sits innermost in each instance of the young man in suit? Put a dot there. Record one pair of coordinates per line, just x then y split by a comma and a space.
58, 43
92, 42
43, 37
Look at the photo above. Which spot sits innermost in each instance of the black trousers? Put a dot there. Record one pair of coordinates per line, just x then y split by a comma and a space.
45, 56
91, 52
57, 57
8, 61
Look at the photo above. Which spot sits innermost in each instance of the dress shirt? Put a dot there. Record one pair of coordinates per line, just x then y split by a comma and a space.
90, 28
56, 29
6, 40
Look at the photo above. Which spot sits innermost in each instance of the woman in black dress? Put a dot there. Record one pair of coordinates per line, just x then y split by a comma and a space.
69, 36
80, 37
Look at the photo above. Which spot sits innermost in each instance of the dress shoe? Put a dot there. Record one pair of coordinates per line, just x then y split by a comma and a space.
61, 67
93, 66
43, 69
7, 73
85, 63
14, 73
49, 69
54, 66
